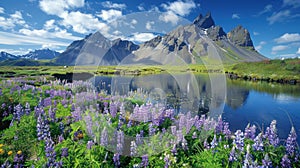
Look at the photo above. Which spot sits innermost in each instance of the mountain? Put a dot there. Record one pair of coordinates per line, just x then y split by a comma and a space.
198, 43
95, 49
201, 42
7, 56
41, 54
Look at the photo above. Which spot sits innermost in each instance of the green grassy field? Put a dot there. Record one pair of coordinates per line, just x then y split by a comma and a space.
288, 69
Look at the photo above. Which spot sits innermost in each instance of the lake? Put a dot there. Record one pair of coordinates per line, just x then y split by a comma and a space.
239, 102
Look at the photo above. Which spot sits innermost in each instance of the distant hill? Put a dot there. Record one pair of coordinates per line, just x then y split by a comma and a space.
42, 54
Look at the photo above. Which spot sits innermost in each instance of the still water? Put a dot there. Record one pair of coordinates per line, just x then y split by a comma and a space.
239, 102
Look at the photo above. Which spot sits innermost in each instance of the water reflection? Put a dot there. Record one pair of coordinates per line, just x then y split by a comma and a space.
246, 102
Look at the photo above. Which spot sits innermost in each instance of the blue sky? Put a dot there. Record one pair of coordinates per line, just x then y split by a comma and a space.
34, 24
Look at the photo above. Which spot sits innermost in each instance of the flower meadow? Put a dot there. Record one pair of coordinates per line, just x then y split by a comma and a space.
52, 123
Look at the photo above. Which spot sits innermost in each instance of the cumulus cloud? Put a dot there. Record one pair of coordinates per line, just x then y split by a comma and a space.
255, 33
109, 4
141, 37
83, 23
13, 20
140, 7
58, 7
169, 17
110, 15
179, 7
235, 16
288, 38
149, 25
275, 49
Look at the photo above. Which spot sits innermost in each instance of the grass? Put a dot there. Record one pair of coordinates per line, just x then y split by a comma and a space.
288, 69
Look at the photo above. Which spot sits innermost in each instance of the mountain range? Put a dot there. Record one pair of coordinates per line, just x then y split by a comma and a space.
42, 54
200, 42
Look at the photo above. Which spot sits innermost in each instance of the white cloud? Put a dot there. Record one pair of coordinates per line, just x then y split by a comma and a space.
235, 16
19, 51
13, 20
298, 52
109, 4
287, 38
141, 8
58, 7
179, 7
260, 46
255, 33
293, 3
83, 23
7, 38
149, 25
279, 17
267, 9
169, 17
62, 34
275, 49
110, 15
141, 37
1, 10
134, 22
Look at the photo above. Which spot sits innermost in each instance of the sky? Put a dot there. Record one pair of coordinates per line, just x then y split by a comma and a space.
26, 25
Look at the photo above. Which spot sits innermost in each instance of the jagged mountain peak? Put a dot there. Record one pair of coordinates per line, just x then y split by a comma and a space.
204, 22
240, 36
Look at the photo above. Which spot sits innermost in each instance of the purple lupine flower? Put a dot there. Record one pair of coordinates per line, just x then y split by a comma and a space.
64, 152
133, 148
52, 113
50, 153
184, 144
113, 109
167, 161
173, 129
219, 126
271, 134
250, 131
27, 108
47, 102
226, 130
129, 124
285, 161
6, 164
248, 161
76, 114
239, 140
151, 130
43, 129
138, 139
205, 144
291, 142
258, 143
116, 159
104, 137
145, 160
120, 141
267, 161
18, 112
19, 159
60, 138
232, 155
89, 144
179, 136
214, 142
174, 149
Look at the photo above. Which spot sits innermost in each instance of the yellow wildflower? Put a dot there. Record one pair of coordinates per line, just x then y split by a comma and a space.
9, 153
19, 152
1, 145
1, 151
